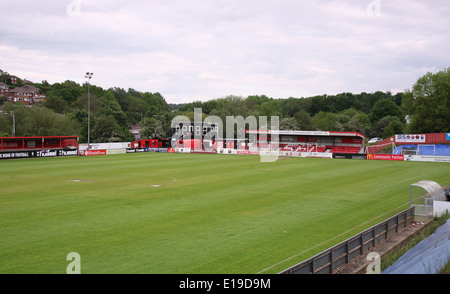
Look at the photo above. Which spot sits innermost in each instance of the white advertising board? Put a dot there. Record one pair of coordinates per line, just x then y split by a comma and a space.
410, 138
431, 158
105, 146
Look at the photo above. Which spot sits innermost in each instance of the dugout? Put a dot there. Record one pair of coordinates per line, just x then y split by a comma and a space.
14, 144
427, 198
24, 147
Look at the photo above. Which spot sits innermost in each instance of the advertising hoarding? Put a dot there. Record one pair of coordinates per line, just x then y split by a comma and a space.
410, 138
385, 157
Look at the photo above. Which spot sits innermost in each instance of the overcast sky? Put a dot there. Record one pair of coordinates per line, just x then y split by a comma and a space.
204, 49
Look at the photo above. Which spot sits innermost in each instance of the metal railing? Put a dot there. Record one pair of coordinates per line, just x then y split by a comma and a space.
331, 259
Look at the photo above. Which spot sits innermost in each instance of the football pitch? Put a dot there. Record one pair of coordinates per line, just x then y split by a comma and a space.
162, 213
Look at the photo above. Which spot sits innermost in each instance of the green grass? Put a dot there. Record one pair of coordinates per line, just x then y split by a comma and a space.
211, 213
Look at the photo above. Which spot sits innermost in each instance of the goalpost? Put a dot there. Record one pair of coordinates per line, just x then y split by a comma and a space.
419, 152
378, 147
391, 148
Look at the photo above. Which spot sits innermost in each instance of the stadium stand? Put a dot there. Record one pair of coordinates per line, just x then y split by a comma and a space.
319, 148
345, 149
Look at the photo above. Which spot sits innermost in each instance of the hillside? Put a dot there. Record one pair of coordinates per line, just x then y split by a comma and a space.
115, 110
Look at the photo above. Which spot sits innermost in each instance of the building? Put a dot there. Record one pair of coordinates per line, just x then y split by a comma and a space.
27, 94
326, 143
3, 89
195, 135
13, 79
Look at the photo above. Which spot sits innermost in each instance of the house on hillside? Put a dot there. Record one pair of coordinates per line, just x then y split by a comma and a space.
13, 79
27, 94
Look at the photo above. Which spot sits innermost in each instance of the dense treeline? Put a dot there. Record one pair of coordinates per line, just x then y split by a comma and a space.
423, 109
113, 111
374, 114
65, 112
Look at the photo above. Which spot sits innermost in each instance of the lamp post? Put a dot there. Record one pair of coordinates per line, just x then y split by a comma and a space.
88, 76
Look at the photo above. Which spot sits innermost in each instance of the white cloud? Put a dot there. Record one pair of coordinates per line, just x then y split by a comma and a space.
204, 49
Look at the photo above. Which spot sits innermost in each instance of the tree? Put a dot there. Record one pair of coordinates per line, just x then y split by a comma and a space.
345, 101
153, 128
253, 101
392, 123
106, 129
385, 107
270, 108
56, 103
289, 123
428, 103
394, 127
4, 76
20, 114
5, 125
41, 121
121, 97
44, 86
304, 120
290, 106
156, 100
84, 102
69, 91
360, 123
367, 101
354, 120
320, 103
326, 121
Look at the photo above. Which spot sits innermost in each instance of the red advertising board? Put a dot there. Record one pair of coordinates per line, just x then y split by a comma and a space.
94, 152
385, 157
